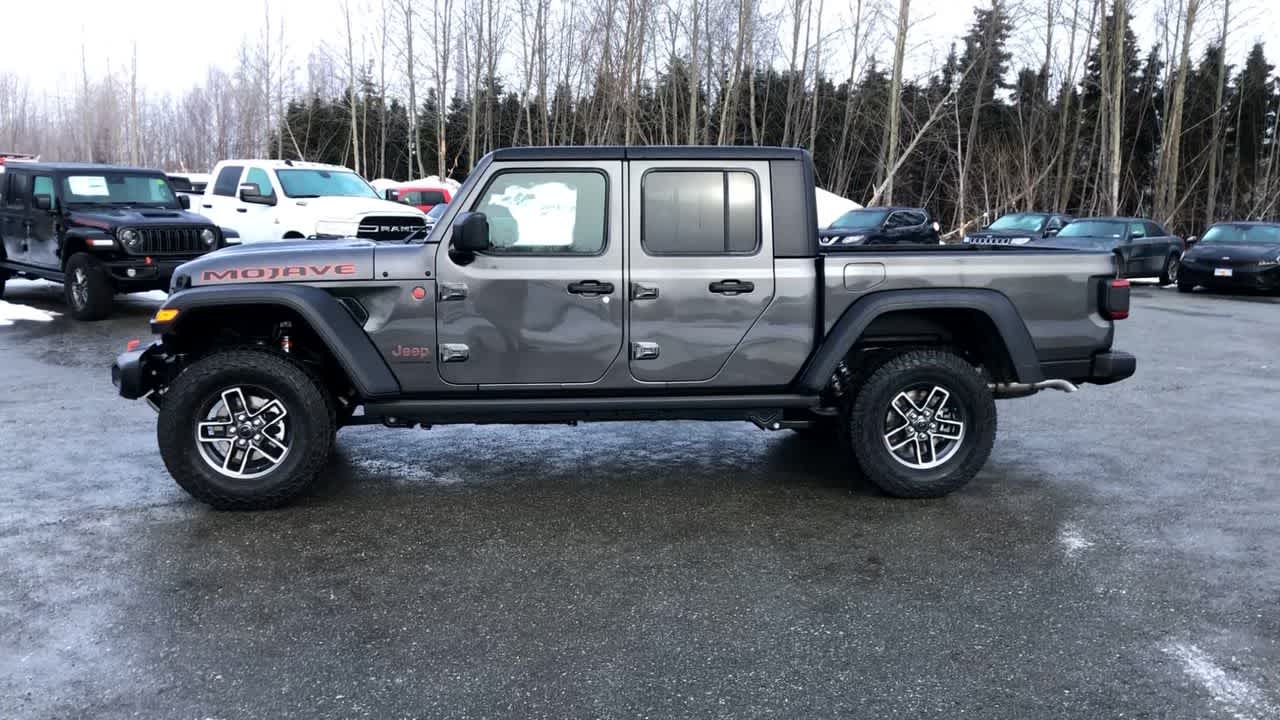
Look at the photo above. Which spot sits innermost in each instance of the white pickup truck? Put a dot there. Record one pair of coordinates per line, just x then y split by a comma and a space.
267, 200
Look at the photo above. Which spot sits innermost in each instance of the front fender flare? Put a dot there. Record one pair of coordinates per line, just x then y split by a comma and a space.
858, 316
336, 328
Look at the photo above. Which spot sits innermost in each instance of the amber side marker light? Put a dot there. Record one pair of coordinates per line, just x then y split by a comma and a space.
164, 315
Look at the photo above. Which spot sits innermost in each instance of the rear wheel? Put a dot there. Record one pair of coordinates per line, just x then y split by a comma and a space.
1169, 275
922, 424
245, 429
87, 288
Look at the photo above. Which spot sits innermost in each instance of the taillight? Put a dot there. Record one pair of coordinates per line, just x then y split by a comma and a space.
1114, 303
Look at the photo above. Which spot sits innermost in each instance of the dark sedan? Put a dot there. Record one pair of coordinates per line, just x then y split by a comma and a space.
881, 226
1143, 248
1019, 229
1235, 255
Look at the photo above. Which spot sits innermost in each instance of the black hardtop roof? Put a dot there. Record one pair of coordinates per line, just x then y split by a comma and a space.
78, 167
650, 152
1250, 223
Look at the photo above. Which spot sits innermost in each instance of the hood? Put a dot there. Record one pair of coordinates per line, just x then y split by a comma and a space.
1234, 251
354, 208
110, 218
290, 261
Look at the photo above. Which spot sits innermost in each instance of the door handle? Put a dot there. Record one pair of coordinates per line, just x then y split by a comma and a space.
207, 206
643, 292
731, 287
242, 209
591, 287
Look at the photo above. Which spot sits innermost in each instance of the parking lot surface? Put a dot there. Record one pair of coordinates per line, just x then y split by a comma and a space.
1118, 557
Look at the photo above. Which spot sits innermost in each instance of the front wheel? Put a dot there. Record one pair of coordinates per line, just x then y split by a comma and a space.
88, 288
1169, 275
245, 429
923, 424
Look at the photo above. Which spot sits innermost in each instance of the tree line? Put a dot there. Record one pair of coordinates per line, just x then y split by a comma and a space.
1089, 121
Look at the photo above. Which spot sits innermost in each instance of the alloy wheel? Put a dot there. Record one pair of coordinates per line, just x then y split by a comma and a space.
243, 433
924, 426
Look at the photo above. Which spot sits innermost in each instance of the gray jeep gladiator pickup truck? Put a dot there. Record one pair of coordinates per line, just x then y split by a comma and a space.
617, 283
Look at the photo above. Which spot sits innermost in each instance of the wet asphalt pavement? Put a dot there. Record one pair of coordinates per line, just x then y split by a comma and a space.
1118, 557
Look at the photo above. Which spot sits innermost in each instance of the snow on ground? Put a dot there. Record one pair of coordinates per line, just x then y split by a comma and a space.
1240, 699
1073, 541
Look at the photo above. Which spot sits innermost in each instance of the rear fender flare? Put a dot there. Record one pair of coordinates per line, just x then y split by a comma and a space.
336, 328
858, 316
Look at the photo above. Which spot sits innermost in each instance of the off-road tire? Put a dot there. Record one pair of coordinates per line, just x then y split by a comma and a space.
1169, 273
1186, 287
309, 408
98, 290
870, 407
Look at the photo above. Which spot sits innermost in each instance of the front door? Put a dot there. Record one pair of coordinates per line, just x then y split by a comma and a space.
43, 238
701, 258
544, 304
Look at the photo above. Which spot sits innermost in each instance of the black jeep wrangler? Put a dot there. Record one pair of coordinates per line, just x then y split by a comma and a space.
97, 229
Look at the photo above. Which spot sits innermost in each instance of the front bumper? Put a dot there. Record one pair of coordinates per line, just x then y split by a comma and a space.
1249, 277
138, 373
1111, 367
137, 271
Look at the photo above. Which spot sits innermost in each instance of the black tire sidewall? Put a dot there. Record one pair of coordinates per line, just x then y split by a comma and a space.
311, 428
968, 390
99, 288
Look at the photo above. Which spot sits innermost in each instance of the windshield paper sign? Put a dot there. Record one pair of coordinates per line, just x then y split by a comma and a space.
92, 185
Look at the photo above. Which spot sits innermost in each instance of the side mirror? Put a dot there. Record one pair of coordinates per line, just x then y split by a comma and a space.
251, 193
184, 201
44, 202
1192, 240
390, 194
1050, 232
471, 232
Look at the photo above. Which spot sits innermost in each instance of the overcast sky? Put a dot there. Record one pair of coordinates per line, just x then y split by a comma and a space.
176, 41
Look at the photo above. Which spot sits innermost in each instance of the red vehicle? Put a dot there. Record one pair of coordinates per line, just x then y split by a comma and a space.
423, 197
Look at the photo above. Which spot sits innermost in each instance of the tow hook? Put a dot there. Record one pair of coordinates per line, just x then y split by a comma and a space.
1005, 391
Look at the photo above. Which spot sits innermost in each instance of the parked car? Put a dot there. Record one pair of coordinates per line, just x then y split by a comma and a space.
267, 200
423, 197
1142, 247
701, 292
1233, 255
97, 229
881, 226
1019, 228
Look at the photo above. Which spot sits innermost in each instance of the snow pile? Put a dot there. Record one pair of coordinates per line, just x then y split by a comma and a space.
11, 312
832, 206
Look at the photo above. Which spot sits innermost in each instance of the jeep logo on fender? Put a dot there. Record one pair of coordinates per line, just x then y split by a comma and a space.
410, 353
277, 272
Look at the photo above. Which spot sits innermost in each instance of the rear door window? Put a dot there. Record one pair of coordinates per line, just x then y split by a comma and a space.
712, 212
227, 181
18, 186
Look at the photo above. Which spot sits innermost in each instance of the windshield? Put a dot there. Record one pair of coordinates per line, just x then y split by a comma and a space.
860, 220
434, 213
1242, 234
118, 189
1019, 221
1093, 228
309, 182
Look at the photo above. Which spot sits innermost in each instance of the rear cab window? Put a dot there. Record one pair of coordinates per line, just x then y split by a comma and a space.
19, 183
228, 180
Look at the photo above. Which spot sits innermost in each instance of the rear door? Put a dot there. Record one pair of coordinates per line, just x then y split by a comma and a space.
701, 261
218, 203
544, 304
14, 223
